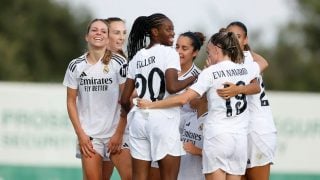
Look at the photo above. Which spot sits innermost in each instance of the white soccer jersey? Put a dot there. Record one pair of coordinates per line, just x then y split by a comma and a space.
191, 165
186, 112
154, 133
261, 118
231, 115
148, 69
98, 93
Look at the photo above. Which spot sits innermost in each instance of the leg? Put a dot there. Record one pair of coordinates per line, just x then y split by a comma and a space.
169, 167
244, 177
140, 169
258, 173
216, 175
233, 177
92, 167
107, 170
154, 173
122, 161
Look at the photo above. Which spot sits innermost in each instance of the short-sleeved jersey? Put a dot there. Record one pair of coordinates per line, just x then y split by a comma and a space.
231, 115
186, 110
98, 93
261, 118
191, 165
148, 69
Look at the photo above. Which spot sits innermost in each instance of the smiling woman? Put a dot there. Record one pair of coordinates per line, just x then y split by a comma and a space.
153, 71
93, 82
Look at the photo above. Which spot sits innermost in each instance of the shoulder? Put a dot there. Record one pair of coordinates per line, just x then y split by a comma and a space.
195, 70
75, 62
119, 59
168, 49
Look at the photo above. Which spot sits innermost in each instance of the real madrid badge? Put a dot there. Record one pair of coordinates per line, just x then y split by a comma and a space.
106, 69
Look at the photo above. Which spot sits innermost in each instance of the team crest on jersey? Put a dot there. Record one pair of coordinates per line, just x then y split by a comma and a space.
106, 68
200, 128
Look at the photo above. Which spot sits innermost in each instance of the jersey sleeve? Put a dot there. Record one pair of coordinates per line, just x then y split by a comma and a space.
121, 68
70, 79
254, 69
131, 67
203, 83
173, 60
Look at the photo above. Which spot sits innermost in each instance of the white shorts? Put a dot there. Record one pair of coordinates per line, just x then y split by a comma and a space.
154, 164
227, 152
261, 149
153, 135
100, 146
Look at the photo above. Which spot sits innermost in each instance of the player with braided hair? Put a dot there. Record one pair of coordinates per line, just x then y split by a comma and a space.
225, 127
153, 72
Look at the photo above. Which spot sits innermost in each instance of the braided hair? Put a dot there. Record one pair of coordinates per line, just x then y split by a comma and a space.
141, 29
229, 44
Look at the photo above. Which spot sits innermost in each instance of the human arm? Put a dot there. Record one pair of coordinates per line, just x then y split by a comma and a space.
174, 85
172, 101
85, 144
192, 149
125, 100
262, 62
232, 90
115, 141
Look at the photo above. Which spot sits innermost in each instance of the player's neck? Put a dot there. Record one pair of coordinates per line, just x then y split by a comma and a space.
94, 56
185, 68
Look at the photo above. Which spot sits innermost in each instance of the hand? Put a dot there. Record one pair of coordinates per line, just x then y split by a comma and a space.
143, 104
115, 143
229, 91
190, 148
86, 147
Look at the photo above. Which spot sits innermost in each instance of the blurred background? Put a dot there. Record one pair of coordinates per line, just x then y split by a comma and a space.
38, 38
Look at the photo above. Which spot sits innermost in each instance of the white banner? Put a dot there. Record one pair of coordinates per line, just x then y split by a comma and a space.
35, 129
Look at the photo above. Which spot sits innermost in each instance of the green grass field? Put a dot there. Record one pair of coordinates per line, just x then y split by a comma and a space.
57, 173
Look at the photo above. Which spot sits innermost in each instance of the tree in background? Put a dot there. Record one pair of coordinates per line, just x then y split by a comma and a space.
295, 59
38, 38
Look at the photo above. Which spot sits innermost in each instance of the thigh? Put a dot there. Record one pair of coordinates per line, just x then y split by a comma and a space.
216, 175
92, 167
107, 170
154, 173
122, 161
258, 173
169, 167
140, 169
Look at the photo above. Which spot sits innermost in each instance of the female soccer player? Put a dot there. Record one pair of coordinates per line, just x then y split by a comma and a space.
153, 72
225, 128
93, 85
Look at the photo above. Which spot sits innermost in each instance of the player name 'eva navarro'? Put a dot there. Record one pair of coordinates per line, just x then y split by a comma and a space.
229, 72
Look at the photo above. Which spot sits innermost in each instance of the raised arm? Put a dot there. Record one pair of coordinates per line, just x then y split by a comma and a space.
173, 84
262, 62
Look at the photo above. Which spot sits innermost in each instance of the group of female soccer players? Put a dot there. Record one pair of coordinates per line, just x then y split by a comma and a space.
156, 115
